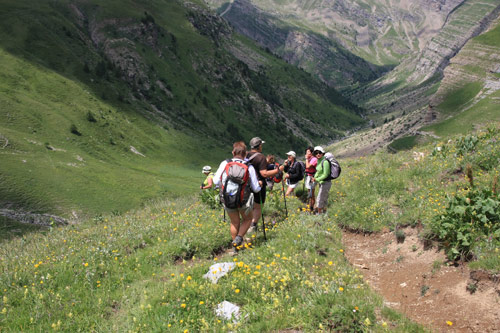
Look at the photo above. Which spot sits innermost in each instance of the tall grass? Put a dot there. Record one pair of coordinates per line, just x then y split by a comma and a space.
142, 271
416, 188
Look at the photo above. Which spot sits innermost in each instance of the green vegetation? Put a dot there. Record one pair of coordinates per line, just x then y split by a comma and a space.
468, 220
143, 271
106, 106
387, 191
457, 99
489, 38
405, 143
10, 229
57, 158
482, 113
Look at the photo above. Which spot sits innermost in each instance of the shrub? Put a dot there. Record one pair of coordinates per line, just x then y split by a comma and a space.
467, 219
73, 129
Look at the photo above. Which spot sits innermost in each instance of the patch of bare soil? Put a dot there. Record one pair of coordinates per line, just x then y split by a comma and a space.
420, 283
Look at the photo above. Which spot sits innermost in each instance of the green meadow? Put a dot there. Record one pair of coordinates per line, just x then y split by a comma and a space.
142, 270
62, 157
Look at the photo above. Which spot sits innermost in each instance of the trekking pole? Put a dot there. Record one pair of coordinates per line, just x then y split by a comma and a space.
284, 197
262, 214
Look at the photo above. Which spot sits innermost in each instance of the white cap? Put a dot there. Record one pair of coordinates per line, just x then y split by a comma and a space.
206, 168
292, 153
320, 149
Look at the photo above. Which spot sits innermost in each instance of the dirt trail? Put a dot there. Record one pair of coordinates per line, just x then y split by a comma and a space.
420, 284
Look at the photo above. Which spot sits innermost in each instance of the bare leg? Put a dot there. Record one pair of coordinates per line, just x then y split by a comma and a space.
235, 223
257, 209
245, 224
289, 190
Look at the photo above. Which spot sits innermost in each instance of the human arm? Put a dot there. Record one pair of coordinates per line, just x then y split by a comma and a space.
218, 174
323, 171
210, 183
254, 182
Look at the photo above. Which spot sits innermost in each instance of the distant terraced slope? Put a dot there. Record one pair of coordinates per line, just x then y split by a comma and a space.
345, 42
411, 84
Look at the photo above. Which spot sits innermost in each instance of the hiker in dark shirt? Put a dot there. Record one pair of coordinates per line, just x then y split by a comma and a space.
258, 160
293, 171
271, 165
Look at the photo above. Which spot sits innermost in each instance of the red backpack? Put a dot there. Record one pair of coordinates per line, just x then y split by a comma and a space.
235, 189
279, 176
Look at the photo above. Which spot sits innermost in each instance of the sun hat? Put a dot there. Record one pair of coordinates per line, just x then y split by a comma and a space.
255, 142
320, 149
291, 153
206, 168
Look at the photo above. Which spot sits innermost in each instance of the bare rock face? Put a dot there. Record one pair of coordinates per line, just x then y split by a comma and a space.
462, 25
486, 61
319, 54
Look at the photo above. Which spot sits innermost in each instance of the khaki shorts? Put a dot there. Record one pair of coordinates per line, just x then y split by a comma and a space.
322, 198
309, 183
246, 209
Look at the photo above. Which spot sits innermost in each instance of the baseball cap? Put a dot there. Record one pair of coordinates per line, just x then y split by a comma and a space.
255, 142
320, 149
206, 168
292, 153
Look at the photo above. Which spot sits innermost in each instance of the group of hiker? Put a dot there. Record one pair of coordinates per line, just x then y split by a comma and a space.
242, 182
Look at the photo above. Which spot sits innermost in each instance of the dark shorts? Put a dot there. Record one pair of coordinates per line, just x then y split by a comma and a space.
260, 197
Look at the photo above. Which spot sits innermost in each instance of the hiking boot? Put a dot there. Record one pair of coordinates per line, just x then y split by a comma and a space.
253, 228
233, 251
238, 240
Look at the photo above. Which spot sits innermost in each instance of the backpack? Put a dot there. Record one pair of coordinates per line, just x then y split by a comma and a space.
334, 167
279, 176
301, 168
235, 189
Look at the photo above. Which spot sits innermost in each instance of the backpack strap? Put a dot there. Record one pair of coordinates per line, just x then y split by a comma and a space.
252, 157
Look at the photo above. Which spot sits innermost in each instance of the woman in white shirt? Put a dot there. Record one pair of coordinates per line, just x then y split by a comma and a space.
241, 217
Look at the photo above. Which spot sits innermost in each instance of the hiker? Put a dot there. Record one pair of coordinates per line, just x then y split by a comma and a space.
209, 181
272, 165
294, 172
311, 162
322, 177
258, 160
239, 202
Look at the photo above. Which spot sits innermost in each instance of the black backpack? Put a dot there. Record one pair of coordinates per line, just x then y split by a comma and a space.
301, 168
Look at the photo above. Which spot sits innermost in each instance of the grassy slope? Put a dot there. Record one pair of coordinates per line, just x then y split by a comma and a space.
126, 273
143, 270
471, 104
92, 172
50, 83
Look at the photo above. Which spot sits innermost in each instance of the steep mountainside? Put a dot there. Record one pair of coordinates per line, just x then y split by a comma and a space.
101, 99
315, 52
467, 98
387, 56
410, 85
345, 42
